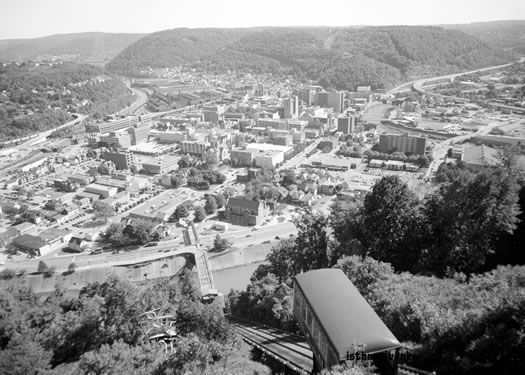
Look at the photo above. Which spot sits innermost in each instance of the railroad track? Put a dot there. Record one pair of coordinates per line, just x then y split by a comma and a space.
290, 350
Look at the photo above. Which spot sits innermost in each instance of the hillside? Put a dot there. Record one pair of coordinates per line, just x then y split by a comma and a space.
97, 48
502, 34
36, 98
335, 57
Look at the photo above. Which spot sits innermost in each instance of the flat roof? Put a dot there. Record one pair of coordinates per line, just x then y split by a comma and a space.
349, 321
161, 204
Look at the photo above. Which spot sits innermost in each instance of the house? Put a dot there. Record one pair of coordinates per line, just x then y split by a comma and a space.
78, 244
244, 211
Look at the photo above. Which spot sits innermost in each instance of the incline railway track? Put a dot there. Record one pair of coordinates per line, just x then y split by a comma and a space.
289, 349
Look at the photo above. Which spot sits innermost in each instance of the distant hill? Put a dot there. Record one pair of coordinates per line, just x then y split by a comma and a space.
335, 57
502, 34
95, 47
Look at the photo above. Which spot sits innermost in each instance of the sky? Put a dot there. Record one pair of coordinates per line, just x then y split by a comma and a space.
37, 18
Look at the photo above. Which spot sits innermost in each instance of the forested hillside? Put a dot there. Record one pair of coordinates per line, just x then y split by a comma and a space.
342, 58
95, 48
36, 98
502, 34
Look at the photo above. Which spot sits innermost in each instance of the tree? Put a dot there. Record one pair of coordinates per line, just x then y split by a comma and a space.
199, 214
211, 205
219, 199
103, 210
289, 178
210, 158
312, 242
391, 218
180, 212
220, 244
72, 267
176, 180
42, 267
466, 217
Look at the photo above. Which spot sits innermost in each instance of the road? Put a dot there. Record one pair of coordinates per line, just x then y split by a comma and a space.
141, 98
44, 134
418, 83
242, 237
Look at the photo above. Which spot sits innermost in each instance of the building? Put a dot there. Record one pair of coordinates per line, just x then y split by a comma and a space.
194, 147
333, 100
298, 125
139, 133
159, 208
112, 126
119, 199
161, 164
478, 157
101, 190
122, 160
169, 136
405, 143
242, 158
31, 245
291, 107
269, 159
346, 125
119, 138
244, 211
306, 95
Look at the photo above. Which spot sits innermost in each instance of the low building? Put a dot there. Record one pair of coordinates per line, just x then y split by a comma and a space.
159, 208
161, 164
31, 245
103, 191
478, 157
244, 211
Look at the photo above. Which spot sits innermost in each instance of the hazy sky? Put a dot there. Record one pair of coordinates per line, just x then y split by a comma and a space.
34, 18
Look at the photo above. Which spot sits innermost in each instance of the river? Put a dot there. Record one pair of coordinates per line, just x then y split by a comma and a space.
234, 277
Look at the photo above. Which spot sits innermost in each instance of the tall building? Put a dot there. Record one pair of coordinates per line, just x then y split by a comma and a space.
291, 107
389, 143
139, 133
333, 100
122, 160
346, 125
306, 95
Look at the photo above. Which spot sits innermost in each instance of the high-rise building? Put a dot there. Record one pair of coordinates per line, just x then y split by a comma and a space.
333, 100
402, 143
139, 133
291, 107
346, 125
306, 95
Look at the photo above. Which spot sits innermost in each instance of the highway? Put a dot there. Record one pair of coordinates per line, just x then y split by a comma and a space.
407, 86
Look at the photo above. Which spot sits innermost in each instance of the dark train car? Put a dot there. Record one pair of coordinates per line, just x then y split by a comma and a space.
338, 322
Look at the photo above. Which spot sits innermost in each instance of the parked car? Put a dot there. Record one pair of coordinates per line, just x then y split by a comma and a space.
96, 251
150, 244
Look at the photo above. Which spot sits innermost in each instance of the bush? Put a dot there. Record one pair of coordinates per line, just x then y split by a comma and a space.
7, 274
42, 267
